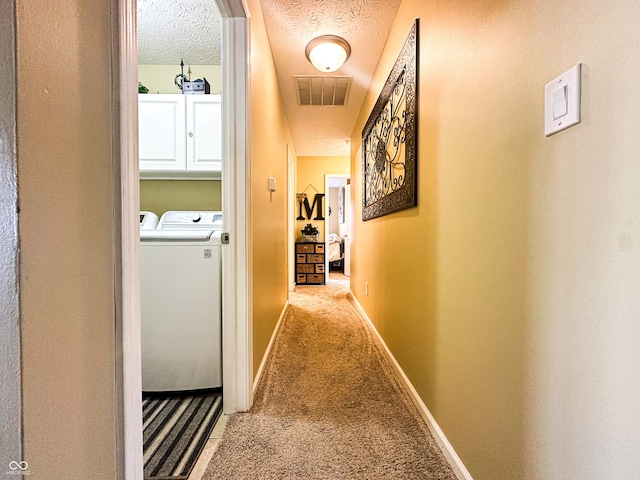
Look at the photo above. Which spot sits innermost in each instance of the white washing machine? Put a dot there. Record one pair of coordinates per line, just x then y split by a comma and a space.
181, 302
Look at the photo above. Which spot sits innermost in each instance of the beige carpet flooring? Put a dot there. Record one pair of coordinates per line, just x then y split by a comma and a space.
328, 406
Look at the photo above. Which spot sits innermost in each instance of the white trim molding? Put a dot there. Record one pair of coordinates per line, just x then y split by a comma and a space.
237, 291
447, 449
267, 352
128, 363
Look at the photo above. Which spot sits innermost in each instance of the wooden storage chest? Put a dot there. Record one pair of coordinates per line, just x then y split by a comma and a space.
310, 263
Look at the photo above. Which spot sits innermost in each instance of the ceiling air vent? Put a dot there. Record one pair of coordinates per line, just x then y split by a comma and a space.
322, 90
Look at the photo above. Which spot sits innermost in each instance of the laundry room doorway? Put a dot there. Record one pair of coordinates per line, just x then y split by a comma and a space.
236, 290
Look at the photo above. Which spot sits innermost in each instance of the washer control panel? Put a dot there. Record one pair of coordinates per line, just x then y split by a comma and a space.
190, 219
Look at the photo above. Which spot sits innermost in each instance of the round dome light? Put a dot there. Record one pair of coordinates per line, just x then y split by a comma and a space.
328, 52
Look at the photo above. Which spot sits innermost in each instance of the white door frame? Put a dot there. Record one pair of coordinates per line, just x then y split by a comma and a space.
237, 312
291, 219
236, 324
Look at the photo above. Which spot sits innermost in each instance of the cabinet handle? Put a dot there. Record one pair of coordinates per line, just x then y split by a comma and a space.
190, 134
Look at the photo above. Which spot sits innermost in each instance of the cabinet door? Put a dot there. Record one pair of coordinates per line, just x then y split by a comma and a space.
161, 127
204, 133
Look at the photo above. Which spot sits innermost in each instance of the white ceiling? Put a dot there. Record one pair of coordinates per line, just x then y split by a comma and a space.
169, 30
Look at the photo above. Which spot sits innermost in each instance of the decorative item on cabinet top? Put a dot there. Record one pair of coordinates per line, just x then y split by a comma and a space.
310, 233
180, 136
199, 86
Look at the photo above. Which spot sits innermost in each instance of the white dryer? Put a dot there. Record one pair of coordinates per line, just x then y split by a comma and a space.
181, 299
148, 221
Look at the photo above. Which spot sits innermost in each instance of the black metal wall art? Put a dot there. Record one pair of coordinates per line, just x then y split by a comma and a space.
389, 144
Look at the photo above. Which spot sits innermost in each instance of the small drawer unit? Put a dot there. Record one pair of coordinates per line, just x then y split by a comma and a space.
310, 263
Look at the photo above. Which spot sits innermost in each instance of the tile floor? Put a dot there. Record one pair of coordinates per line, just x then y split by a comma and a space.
209, 448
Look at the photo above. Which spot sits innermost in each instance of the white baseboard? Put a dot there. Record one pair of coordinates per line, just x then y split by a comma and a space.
447, 449
256, 381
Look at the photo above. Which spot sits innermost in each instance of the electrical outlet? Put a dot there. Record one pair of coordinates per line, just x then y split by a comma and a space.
366, 288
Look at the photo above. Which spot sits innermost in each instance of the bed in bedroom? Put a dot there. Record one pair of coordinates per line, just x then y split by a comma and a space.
335, 251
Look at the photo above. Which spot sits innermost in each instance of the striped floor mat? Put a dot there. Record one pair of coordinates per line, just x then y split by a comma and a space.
175, 432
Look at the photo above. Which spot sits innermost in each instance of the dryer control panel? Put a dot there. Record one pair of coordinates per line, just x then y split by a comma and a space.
190, 219
148, 221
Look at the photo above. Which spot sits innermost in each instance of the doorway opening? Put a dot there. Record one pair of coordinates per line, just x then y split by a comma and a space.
237, 371
337, 227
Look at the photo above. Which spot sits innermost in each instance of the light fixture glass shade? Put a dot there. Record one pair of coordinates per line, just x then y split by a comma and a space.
328, 52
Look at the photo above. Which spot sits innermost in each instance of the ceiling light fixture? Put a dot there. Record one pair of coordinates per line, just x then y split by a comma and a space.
328, 52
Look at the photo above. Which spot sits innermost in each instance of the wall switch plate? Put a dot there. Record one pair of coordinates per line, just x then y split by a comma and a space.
272, 184
562, 101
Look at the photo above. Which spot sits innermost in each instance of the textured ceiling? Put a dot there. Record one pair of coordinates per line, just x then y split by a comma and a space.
169, 30
303, 20
291, 24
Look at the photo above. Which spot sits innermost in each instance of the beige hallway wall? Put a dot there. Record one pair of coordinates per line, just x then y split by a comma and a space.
510, 294
270, 136
67, 195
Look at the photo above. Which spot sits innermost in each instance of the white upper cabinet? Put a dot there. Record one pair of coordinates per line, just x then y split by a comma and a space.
180, 135
204, 133
161, 127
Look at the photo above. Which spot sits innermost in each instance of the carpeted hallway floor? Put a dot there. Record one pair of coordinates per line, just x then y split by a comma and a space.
328, 406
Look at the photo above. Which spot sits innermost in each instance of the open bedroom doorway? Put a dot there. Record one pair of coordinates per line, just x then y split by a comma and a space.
337, 227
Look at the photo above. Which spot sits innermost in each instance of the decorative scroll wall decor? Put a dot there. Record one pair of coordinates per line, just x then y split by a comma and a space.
389, 150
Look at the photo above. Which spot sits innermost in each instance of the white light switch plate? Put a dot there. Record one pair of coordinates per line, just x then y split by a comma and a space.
562, 101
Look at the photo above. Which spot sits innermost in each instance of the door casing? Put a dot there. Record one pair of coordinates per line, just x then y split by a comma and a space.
236, 317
